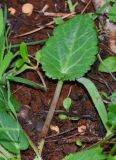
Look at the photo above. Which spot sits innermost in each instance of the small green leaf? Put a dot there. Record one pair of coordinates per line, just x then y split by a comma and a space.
58, 20
112, 115
112, 13
24, 52
6, 62
63, 116
71, 5
22, 69
19, 63
108, 65
15, 103
67, 103
79, 143
113, 97
93, 153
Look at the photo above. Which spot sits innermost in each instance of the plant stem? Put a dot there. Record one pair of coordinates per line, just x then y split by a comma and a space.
52, 108
41, 77
33, 146
50, 115
29, 44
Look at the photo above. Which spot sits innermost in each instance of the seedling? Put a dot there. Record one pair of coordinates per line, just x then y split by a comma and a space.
67, 104
67, 56
71, 5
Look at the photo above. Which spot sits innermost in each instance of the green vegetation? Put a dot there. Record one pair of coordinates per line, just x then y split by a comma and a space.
67, 56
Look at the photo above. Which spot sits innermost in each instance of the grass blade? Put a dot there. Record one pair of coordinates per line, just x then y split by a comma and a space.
97, 100
24, 81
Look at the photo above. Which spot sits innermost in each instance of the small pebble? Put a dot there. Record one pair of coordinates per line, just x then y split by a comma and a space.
55, 128
27, 9
82, 129
12, 10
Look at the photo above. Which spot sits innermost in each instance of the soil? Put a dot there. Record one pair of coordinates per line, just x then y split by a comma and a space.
35, 103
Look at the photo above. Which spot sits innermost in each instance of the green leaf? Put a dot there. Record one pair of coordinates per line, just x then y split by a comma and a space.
58, 20
67, 103
24, 52
71, 50
10, 105
11, 135
15, 103
6, 62
112, 13
71, 5
22, 69
38, 56
111, 157
96, 98
1, 22
19, 63
3, 101
63, 116
113, 97
2, 37
24, 81
108, 65
93, 153
112, 115
79, 143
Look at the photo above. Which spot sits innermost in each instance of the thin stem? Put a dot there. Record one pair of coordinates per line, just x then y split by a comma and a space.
41, 77
52, 108
29, 44
50, 115
33, 146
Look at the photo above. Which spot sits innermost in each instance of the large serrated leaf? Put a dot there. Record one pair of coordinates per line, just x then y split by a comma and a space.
71, 50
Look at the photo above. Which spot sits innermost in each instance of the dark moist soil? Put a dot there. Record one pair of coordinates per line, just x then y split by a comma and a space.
35, 103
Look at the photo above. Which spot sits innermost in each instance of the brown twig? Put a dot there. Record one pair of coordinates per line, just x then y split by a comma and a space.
42, 27
84, 9
62, 133
84, 139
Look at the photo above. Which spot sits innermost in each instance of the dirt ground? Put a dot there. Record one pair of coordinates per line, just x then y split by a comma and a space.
35, 103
